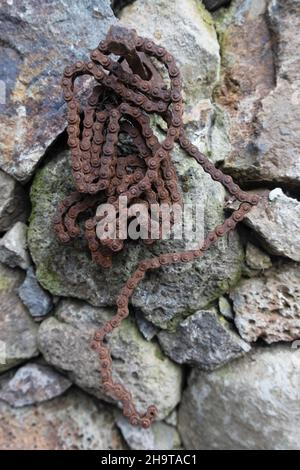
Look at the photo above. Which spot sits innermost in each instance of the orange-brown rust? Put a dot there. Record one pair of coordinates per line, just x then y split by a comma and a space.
102, 174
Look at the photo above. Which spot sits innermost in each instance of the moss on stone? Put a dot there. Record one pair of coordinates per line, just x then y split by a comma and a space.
49, 279
205, 15
5, 283
172, 325
46, 190
35, 191
128, 330
9, 364
222, 19
223, 16
159, 354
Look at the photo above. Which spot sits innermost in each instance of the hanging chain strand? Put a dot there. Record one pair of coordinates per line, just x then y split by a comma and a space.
127, 92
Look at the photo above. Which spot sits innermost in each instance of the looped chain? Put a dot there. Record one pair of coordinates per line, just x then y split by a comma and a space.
127, 91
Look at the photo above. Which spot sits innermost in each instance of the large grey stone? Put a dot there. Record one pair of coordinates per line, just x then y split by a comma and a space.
165, 294
172, 293
140, 365
18, 332
268, 306
37, 300
160, 436
13, 247
276, 222
36, 44
245, 77
204, 340
13, 202
187, 30
278, 141
249, 404
260, 89
71, 422
32, 383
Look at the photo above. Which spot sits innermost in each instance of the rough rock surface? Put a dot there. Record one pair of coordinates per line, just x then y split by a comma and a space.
147, 328
260, 89
13, 204
267, 307
256, 259
72, 422
36, 299
204, 340
245, 77
160, 436
13, 247
18, 332
187, 30
140, 365
278, 121
32, 383
251, 403
276, 220
36, 44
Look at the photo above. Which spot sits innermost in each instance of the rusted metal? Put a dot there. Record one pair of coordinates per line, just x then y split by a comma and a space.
128, 90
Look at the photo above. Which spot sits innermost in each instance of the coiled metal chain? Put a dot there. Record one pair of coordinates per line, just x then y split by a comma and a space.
127, 91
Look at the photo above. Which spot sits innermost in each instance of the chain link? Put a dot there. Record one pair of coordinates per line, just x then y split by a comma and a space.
127, 92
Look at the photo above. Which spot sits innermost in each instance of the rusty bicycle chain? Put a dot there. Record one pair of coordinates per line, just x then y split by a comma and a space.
102, 174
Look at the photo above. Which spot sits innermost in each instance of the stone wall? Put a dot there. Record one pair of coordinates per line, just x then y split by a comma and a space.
213, 343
